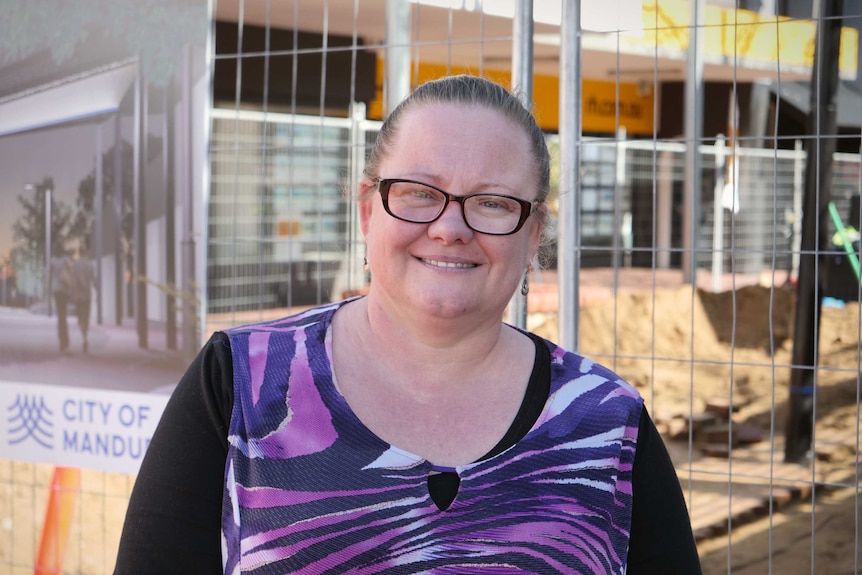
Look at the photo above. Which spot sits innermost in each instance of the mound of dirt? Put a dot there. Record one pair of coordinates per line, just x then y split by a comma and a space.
681, 347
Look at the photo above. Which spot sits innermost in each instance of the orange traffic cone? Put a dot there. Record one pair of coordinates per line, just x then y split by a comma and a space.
65, 486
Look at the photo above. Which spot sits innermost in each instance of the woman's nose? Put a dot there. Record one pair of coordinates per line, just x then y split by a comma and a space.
451, 224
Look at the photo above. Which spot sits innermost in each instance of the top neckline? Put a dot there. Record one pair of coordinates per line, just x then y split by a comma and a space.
532, 406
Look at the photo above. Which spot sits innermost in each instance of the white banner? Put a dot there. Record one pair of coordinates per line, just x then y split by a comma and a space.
78, 427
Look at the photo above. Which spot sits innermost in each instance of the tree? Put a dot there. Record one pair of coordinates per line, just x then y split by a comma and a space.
28, 231
84, 218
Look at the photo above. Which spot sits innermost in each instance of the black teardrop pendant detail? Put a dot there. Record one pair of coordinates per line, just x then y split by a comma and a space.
443, 487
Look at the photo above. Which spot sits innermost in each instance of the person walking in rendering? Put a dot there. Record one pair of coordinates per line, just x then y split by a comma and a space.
81, 293
60, 286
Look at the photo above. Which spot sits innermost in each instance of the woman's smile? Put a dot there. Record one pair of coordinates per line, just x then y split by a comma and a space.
452, 265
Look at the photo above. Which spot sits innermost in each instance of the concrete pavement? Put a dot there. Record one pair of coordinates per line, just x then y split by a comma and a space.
29, 353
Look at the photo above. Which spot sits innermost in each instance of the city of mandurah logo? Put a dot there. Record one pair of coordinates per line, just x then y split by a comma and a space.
30, 419
81, 427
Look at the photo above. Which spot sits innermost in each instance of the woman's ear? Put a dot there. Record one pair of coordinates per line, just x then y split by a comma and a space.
536, 232
365, 197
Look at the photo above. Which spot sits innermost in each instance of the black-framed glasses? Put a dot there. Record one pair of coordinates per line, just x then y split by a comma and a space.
421, 203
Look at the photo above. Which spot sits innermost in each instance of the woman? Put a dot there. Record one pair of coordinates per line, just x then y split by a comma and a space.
411, 430
81, 293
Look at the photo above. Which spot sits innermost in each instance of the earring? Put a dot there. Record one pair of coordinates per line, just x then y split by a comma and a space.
365, 263
525, 286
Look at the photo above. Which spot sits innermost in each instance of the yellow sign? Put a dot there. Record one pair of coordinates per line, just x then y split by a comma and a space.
741, 34
605, 106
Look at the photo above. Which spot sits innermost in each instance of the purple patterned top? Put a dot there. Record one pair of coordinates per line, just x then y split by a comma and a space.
310, 489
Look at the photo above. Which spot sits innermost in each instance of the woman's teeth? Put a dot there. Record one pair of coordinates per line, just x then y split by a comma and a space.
448, 264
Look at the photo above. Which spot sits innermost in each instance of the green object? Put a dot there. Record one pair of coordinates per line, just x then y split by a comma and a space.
845, 241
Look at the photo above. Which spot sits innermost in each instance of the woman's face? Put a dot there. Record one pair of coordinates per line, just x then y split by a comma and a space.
444, 268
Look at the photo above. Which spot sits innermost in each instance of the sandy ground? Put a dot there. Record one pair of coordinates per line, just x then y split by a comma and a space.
819, 537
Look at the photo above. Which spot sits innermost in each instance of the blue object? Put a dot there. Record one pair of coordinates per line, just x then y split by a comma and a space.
833, 302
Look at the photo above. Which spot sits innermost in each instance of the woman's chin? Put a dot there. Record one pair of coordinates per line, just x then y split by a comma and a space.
447, 305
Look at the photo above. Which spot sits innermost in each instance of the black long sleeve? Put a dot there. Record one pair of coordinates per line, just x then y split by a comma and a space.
661, 540
173, 522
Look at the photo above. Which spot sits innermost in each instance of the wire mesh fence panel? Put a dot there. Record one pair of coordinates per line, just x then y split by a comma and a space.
713, 356
278, 212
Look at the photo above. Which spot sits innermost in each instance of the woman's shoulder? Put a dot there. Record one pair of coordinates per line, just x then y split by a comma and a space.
571, 369
306, 318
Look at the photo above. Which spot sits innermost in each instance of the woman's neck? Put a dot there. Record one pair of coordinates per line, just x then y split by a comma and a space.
436, 351
422, 396
424, 333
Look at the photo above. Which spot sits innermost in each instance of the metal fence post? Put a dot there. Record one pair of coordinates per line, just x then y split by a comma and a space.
568, 238
522, 82
718, 215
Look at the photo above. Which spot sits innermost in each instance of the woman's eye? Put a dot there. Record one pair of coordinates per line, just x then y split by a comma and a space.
415, 194
421, 193
496, 204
